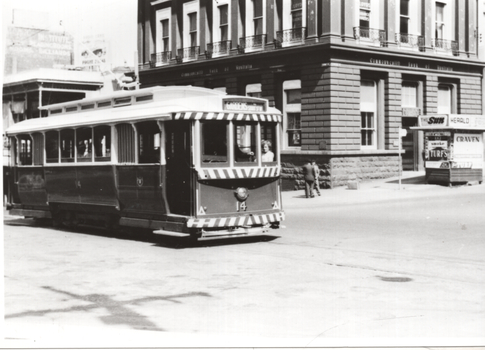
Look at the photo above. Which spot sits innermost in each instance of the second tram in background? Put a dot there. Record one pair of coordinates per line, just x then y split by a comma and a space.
181, 161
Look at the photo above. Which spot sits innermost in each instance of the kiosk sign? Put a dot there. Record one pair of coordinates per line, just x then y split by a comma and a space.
467, 151
437, 149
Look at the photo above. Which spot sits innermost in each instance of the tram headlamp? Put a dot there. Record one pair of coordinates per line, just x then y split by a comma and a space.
241, 193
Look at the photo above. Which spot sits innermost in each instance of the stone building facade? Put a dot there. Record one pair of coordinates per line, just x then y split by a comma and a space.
347, 75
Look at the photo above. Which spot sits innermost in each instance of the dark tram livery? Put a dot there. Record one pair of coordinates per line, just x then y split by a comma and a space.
182, 161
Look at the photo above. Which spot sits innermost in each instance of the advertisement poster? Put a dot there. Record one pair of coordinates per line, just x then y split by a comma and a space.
437, 149
467, 151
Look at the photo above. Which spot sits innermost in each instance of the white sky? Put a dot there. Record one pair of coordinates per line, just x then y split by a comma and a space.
115, 19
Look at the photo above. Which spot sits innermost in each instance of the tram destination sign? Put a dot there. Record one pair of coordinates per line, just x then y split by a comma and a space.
243, 106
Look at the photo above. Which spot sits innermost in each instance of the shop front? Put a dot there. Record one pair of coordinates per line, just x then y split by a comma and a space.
453, 148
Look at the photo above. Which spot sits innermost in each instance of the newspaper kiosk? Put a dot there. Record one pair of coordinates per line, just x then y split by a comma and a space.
453, 147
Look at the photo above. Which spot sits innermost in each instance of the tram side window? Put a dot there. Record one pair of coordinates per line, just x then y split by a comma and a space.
214, 141
268, 137
126, 143
84, 144
102, 143
52, 146
67, 146
25, 150
245, 142
38, 149
149, 142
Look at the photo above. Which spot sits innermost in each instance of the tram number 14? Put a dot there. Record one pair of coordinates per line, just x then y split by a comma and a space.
241, 206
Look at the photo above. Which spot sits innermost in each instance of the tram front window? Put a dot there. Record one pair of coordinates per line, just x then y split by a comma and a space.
245, 142
214, 141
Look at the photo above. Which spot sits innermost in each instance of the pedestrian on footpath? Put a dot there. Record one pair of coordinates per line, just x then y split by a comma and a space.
309, 176
316, 172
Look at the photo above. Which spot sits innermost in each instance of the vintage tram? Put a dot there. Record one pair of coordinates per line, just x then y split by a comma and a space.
181, 161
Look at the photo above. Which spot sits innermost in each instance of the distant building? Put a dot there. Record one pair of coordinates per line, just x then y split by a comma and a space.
347, 74
30, 45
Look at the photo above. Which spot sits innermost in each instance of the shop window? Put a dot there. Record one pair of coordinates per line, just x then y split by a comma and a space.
67, 146
84, 144
368, 114
292, 113
214, 142
25, 150
149, 142
52, 146
102, 143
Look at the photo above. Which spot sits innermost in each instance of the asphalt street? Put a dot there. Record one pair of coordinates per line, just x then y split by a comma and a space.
383, 265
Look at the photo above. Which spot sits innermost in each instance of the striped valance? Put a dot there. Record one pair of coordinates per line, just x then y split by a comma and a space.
238, 173
237, 221
228, 116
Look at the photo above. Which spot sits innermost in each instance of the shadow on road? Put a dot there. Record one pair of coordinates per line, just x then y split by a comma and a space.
416, 180
141, 235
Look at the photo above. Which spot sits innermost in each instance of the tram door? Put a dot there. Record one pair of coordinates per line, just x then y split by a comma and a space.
179, 163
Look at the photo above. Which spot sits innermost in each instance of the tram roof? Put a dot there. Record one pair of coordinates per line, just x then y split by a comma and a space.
167, 103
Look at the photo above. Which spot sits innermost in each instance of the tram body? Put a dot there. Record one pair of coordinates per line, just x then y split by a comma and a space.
181, 161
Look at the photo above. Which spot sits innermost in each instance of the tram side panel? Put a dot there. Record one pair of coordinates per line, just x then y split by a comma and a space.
141, 191
30, 188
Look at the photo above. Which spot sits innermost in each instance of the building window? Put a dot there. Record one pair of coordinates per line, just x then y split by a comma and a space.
254, 90
224, 22
258, 17
445, 99
409, 95
192, 29
165, 35
404, 17
440, 21
368, 114
296, 14
292, 113
364, 15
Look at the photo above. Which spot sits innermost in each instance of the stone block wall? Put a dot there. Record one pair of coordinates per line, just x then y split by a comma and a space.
338, 170
470, 96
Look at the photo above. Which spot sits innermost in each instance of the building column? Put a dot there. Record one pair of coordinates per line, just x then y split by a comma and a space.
205, 23
390, 22
331, 21
427, 24
347, 15
472, 29
270, 23
461, 27
430, 95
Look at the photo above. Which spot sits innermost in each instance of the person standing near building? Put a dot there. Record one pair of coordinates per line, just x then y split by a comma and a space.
309, 176
316, 171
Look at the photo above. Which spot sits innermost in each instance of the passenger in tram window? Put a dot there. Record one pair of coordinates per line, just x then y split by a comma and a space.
268, 155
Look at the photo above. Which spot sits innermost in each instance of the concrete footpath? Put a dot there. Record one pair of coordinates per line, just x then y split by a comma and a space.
411, 186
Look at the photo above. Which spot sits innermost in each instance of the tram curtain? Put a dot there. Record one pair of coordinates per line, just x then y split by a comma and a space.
126, 143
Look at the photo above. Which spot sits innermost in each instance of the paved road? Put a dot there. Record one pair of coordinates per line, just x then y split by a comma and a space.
374, 266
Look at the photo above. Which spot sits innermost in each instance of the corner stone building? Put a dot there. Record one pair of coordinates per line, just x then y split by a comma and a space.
346, 74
